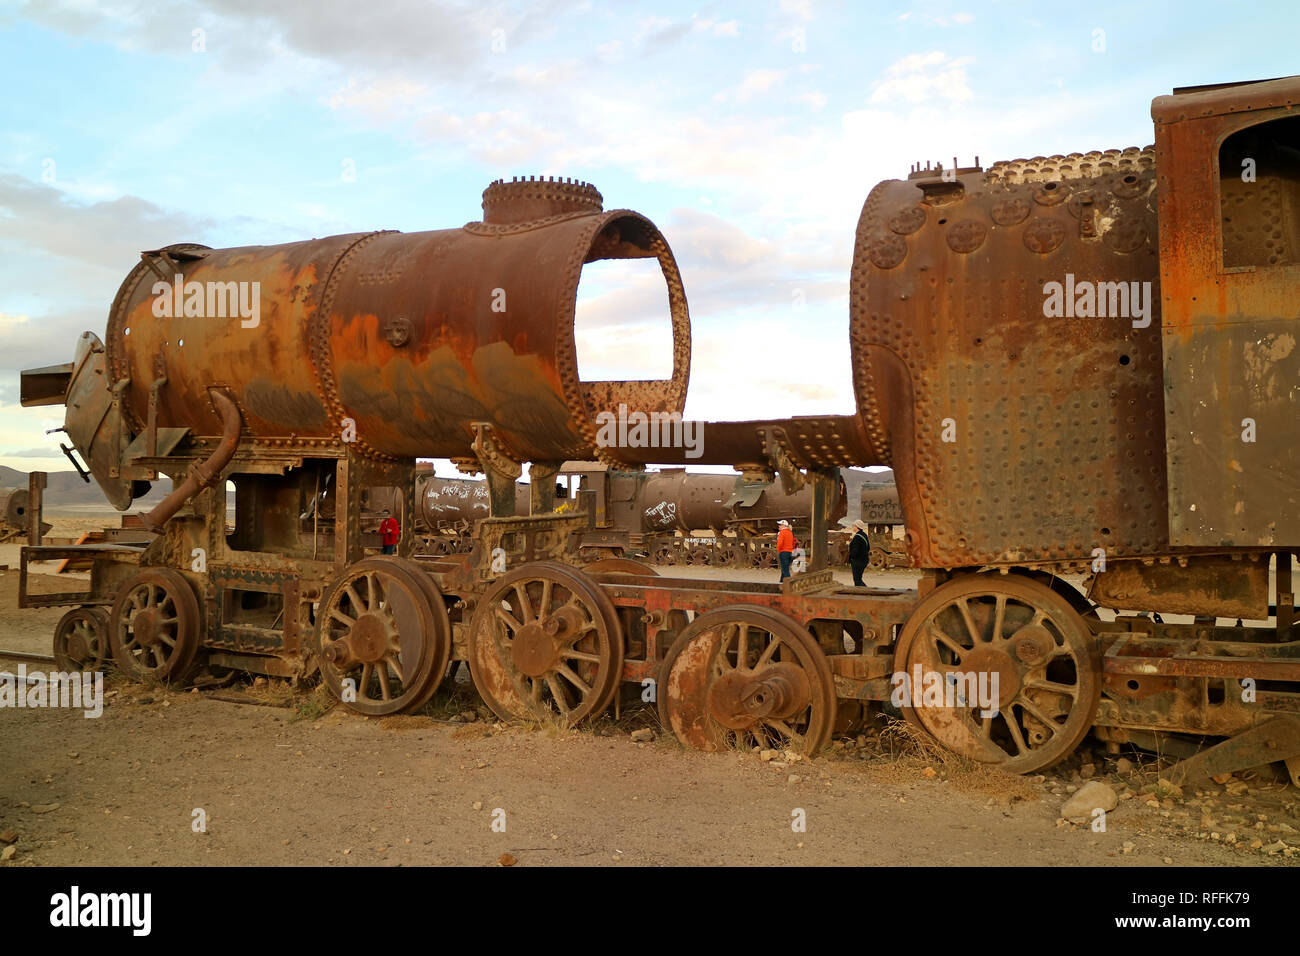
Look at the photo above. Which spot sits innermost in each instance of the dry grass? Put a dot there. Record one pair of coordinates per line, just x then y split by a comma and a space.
906, 752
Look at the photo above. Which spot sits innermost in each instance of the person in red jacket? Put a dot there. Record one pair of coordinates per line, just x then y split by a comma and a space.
785, 545
389, 532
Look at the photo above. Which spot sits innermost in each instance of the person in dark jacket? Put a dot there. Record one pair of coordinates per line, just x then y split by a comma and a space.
859, 552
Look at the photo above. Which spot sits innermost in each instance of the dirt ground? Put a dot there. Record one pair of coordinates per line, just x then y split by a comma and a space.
303, 782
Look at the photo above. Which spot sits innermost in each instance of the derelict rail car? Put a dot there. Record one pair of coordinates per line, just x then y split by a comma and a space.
1032, 433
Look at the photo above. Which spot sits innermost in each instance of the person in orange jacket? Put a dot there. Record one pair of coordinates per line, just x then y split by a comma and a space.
389, 532
785, 545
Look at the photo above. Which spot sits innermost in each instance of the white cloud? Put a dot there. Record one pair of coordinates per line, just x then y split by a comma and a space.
800, 8
755, 83
815, 100
726, 28
914, 80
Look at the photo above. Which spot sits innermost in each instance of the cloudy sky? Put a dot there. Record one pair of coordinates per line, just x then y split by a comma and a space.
750, 133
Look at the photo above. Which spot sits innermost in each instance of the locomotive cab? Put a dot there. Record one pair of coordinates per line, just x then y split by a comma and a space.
1229, 213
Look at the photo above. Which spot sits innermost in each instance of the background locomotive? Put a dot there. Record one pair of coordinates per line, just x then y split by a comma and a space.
668, 517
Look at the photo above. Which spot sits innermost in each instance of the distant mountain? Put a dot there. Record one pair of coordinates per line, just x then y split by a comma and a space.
65, 489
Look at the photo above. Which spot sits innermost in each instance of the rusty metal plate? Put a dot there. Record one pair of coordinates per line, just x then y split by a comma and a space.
995, 413
1229, 269
1215, 586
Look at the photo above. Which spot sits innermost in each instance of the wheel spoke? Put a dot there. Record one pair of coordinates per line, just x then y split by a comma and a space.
572, 654
545, 606
742, 648
963, 609
337, 615
940, 637
358, 605
766, 657
557, 694
781, 727
999, 616
364, 689
394, 662
586, 628
567, 673
1042, 718
525, 606
725, 634
507, 619
1052, 686
1009, 718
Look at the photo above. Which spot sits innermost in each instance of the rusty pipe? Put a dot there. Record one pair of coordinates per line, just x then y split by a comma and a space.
205, 472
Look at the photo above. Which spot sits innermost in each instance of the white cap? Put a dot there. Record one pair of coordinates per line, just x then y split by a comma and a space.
783, 523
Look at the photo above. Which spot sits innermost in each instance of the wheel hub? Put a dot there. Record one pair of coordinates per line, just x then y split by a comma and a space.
1032, 644
987, 660
370, 639
78, 648
534, 647
145, 627
738, 700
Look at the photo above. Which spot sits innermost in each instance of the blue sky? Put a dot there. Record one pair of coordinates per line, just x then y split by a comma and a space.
750, 133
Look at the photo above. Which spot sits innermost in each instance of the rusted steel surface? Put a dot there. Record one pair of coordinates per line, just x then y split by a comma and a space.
815, 441
1229, 267
871, 616
878, 504
1213, 585
685, 501
1277, 739
204, 474
440, 502
13, 507
410, 337
15, 513
1189, 657
993, 416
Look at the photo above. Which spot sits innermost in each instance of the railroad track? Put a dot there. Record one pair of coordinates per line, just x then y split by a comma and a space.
27, 657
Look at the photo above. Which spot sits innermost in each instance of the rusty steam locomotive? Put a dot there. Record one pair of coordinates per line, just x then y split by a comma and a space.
1076, 364
668, 517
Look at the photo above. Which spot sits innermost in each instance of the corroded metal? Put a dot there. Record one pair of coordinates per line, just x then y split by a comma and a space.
1229, 263
1214, 585
409, 338
961, 378
15, 513
1061, 379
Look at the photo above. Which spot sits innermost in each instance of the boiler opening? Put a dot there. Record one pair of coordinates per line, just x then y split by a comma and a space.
622, 326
